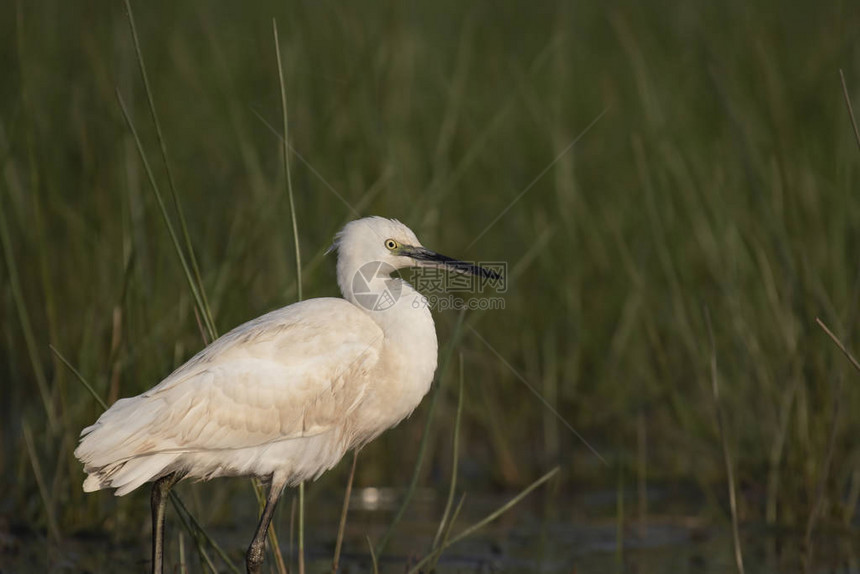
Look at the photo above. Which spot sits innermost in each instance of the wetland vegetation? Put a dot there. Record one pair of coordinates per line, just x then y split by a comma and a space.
674, 188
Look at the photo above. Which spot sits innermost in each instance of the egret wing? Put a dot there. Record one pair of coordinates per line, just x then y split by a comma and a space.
291, 373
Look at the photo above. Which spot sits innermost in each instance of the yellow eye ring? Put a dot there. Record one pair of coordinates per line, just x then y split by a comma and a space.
391, 245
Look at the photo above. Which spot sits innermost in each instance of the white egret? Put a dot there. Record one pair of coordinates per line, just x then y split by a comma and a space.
284, 396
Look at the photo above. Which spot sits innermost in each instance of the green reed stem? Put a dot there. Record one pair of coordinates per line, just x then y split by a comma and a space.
205, 310
80, 378
173, 237
850, 107
24, 318
286, 152
456, 456
447, 534
422, 448
198, 528
286, 156
196, 533
727, 459
842, 347
342, 526
48, 503
372, 555
487, 519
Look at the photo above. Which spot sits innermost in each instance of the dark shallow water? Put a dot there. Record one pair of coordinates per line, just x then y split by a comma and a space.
540, 535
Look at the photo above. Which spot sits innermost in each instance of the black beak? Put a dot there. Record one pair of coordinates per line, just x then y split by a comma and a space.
432, 259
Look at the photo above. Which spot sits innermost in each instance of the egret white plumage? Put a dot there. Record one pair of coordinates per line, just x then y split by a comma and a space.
283, 397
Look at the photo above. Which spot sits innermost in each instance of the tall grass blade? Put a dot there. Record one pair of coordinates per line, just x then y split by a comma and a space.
183, 566
488, 519
445, 524
53, 529
537, 394
641, 470
342, 526
286, 156
850, 107
301, 528
80, 378
198, 528
619, 520
416, 471
173, 237
730, 476
436, 554
205, 310
276, 550
194, 531
373, 559
292, 527
450, 526
24, 318
821, 487
831, 444
839, 344
455, 457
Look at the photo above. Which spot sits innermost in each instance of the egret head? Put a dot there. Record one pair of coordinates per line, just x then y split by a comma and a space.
392, 243
370, 250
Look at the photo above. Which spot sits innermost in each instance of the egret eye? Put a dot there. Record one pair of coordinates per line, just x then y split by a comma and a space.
390, 244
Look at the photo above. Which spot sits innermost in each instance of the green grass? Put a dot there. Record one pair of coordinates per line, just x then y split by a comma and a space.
723, 176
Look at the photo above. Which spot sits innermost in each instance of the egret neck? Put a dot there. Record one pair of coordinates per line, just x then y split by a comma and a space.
404, 316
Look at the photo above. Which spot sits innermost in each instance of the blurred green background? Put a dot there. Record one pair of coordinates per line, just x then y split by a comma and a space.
719, 178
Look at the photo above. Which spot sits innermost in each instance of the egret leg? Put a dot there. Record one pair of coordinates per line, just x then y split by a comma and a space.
160, 490
257, 549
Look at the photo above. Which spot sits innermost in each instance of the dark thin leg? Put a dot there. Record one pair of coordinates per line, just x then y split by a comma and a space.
257, 549
160, 489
